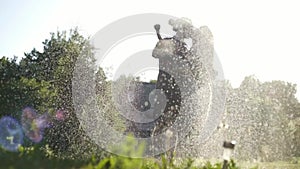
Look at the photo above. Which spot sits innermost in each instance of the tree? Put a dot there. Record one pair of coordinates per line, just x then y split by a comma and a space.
260, 116
106, 102
9, 85
55, 66
18, 92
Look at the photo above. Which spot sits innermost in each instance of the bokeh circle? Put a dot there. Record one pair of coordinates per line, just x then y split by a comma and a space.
11, 135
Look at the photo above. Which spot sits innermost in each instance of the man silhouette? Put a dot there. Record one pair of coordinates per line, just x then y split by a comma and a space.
169, 51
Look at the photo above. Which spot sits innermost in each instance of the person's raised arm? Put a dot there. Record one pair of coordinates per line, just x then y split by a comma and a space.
157, 27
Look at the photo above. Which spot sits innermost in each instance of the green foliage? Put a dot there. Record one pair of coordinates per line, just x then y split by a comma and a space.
153, 81
129, 149
56, 63
34, 157
18, 91
106, 101
263, 118
40, 157
55, 66
43, 81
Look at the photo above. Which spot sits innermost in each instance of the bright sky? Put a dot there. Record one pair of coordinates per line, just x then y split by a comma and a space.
254, 37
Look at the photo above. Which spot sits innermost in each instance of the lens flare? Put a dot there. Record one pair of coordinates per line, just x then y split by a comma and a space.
11, 135
60, 115
34, 125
